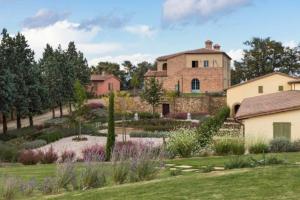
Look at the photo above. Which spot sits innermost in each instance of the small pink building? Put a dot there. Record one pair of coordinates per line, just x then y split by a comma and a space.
103, 84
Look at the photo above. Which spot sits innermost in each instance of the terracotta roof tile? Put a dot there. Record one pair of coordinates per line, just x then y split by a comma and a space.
196, 51
269, 104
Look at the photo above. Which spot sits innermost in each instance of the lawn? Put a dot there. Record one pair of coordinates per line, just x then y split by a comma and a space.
271, 182
280, 182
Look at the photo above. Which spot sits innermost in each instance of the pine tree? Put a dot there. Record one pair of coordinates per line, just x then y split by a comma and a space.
110, 143
24, 59
6, 77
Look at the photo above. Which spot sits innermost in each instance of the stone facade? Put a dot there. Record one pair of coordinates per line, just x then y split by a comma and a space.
203, 104
179, 70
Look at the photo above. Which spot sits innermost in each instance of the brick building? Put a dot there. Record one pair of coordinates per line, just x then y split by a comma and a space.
205, 70
103, 84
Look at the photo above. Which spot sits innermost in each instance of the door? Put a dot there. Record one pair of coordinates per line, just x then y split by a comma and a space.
165, 109
282, 129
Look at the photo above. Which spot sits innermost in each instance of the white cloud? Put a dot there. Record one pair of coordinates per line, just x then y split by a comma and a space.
63, 32
134, 58
291, 44
141, 30
186, 11
236, 54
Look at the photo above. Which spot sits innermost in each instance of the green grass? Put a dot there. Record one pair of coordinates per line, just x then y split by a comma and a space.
272, 182
280, 182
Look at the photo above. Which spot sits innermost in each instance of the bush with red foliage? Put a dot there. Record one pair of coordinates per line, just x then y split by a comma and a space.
49, 156
182, 115
67, 156
29, 157
94, 153
95, 105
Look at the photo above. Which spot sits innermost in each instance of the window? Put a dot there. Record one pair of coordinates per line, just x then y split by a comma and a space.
165, 67
282, 129
206, 63
110, 87
280, 88
195, 86
194, 64
260, 89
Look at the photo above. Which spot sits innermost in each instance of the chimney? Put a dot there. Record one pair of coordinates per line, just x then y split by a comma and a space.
217, 47
208, 44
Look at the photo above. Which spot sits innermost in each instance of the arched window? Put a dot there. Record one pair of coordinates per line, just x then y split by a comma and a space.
195, 85
165, 67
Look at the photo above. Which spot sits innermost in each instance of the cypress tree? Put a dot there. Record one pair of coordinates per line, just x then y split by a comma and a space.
111, 127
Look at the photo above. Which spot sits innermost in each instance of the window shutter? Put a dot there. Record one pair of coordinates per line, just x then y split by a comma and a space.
282, 129
280, 88
260, 89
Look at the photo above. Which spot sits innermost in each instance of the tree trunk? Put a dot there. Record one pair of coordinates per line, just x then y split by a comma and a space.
53, 113
19, 125
123, 128
134, 91
30, 121
4, 123
12, 114
153, 108
70, 107
60, 110
79, 136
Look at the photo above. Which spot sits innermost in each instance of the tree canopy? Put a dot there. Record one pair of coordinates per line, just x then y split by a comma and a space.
263, 56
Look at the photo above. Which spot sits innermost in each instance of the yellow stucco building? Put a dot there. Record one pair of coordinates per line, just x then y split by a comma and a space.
270, 83
267, 107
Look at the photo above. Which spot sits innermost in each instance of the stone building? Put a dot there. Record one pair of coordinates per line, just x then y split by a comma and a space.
204, 70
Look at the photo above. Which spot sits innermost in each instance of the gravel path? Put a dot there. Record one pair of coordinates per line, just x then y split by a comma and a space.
68, 144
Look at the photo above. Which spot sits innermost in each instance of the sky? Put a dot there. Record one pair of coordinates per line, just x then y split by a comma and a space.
141, 30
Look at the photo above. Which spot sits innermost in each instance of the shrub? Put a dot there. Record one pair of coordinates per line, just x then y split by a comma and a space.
143, 166
92, 176
175, 172
59, 121
210, 126
67, 156
10, 187
208, 168
51, 136
259, 147
110, 141
280, 144
148, 115
145, 134
95, 105
48, 186
8, 153
120, 171
34, 144
182, 142
238, 162
29, 157
27, 187
49, 156
296, 145
94, 153
66, 176
178, 115
227, 146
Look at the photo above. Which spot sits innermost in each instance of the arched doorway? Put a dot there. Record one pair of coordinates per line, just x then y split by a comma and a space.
236, 108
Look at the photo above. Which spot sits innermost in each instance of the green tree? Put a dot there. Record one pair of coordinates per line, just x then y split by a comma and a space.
35, 93
80, 98
6, 77
264, 56
134, 82
140, 71
110, 143
24, 59
152, 92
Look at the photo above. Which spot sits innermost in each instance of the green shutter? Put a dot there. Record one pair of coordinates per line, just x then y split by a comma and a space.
260, 89
282, 130
280, 88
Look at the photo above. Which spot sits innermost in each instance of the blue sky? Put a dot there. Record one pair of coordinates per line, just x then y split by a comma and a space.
117, 30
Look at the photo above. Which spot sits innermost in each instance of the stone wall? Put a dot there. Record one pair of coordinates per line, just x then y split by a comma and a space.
203, 104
